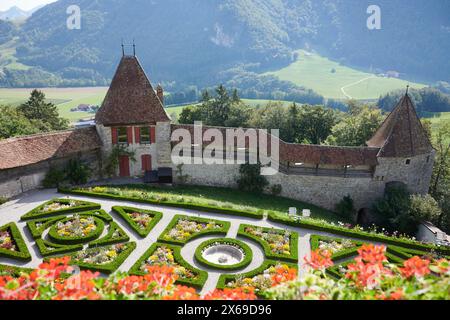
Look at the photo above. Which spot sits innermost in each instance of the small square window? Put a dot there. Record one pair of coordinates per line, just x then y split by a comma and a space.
428, 159
408, 162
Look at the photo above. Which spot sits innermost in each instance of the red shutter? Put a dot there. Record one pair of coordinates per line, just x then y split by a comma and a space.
130, 135
146, 162
137, 135
114, 135
152, 134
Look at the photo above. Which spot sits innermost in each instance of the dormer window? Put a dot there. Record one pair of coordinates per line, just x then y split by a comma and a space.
122, 135
408, 162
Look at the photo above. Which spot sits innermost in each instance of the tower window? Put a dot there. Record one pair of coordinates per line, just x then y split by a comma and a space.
428, 159
122, 136
408, 162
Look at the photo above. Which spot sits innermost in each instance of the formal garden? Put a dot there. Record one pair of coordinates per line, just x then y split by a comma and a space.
139, 242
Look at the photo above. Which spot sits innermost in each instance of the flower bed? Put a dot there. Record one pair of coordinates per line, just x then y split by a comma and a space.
114, 235
47, 248
12, 244
60, 206
106, 259
245, 249
185, 228
270, 274
338, 248
277, 244
161, 254
141, 221
355, 233
143, 197
76, 229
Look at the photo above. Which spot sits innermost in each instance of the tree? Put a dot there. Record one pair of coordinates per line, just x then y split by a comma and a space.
14, 123
394, 210
357, 127
250, 178
77, 172
346, 208
315, 123
440, 180
45, 114
425, 208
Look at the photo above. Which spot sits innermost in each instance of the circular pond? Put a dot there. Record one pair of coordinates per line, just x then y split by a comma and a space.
229, 254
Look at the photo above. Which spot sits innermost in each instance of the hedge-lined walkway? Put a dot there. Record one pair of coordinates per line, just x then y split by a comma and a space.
12, 211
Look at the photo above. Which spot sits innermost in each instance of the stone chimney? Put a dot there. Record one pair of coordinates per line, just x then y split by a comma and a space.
160, 93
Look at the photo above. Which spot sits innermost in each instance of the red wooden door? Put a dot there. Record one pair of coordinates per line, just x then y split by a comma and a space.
124, 166
147, 162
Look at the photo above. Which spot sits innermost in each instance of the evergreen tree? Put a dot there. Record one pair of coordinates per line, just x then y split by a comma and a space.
43, 113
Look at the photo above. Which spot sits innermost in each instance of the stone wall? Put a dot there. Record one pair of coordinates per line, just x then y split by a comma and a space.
18, 180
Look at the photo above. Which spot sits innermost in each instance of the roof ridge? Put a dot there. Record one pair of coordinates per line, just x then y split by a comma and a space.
41, 134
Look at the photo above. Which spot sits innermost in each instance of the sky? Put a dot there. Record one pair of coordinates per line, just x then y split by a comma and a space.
22, 4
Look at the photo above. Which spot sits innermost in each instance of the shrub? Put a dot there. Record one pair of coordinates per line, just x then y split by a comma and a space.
250, 178
346, 209
77, 172
53, 178
3, 200
393, 209
276, 189
425, 208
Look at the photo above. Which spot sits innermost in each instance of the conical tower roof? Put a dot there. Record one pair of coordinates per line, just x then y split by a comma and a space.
131, 99
401, 135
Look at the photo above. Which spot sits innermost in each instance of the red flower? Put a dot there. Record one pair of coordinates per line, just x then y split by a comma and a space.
415, 267
320, 259
231, 294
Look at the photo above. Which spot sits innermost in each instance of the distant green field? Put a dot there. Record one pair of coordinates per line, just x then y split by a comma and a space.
315, 72
438, 120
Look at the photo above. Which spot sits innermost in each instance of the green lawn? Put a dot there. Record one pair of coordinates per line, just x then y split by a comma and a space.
230, 198
438, 120
315, 72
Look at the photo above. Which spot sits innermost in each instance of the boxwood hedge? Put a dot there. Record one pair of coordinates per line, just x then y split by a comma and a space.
21, 252
168, 203
320, 226
226, 278
81, 206
293, 243
104, 268
47, 248
342, 254
110, 238
13, 271
225, 225
58, 239
143, 232
198, 282
247, 252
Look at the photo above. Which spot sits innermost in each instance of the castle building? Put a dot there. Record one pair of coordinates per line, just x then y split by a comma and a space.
132, 118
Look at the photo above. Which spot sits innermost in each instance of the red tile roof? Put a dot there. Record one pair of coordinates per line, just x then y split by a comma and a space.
23, 151
312, 154
401, 135
131, 98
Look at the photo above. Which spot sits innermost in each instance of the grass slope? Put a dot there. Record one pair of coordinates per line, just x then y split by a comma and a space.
314, 72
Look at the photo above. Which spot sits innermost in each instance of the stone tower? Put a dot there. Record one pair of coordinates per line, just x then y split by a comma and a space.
406, 154
132, 116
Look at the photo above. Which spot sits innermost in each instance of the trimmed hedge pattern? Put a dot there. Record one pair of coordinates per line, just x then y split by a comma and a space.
105, 268
196, 283
225, 226
56, 238
200, 207
342, 254
318, 226
110, 238
293, 243
123, 213
21, 252
13, 271
48, 249
226, 278
81, 206
248, 254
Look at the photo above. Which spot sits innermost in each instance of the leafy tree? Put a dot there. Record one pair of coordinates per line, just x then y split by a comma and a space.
316, 123
14, 123
250, 178
393, 209
357, 127
77, 172
36, 109
440, 180
346, 208
54, 178
425, 208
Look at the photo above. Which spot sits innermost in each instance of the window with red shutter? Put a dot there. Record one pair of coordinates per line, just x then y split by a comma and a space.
146, 162
137, 135
114, 135
130, 135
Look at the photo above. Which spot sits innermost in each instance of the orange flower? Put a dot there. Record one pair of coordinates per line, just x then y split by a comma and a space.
182, 293
372, 254
415, 267
320, 259
231, 294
